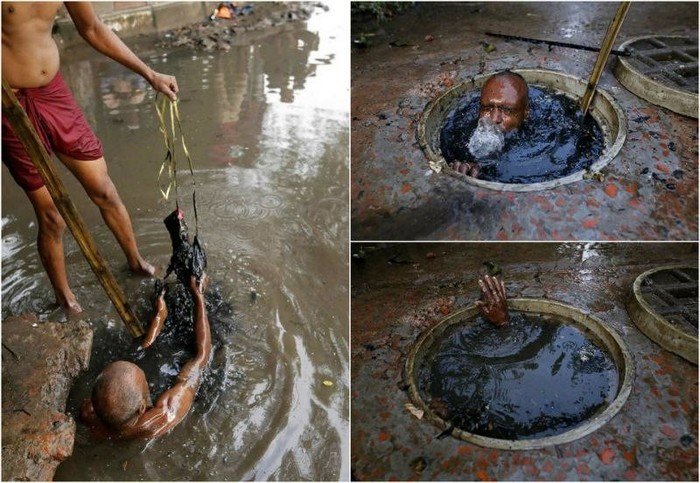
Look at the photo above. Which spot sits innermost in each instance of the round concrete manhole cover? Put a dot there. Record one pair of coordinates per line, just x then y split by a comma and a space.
662, 70
664, 305
552, 375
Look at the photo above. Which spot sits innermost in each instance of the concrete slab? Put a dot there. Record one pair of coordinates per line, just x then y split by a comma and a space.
653, 437
650, 191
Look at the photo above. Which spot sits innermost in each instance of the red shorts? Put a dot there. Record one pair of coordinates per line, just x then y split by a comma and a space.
61, 125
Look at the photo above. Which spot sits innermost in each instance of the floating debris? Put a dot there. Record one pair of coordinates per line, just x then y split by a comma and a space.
414, 410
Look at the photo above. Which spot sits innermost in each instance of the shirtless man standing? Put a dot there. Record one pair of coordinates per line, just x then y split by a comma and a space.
30, 64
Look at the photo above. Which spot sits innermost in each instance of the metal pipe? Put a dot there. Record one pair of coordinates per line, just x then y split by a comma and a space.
622, 53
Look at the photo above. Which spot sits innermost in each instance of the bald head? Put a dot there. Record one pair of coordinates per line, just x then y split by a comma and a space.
120, 394
504, 100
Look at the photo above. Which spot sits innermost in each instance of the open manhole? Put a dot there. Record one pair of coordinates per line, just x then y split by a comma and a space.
662, 70
552, 375
605, 111
664, 305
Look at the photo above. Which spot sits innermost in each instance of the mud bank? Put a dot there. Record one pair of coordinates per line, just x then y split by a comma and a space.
219, 33
39, 362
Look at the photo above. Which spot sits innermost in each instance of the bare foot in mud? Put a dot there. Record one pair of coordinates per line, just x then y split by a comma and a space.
142, 267
69, 303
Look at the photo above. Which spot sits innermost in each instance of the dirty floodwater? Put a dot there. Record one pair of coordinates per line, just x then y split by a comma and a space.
553, 142
538, 376
266, 124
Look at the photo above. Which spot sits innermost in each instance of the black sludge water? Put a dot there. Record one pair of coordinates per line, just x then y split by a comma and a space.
552, 143
533, 378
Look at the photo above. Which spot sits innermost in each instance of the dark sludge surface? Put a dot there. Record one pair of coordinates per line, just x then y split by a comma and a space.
552, 142
533, 378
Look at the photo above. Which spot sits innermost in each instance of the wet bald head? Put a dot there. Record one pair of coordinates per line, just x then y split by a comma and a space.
120, 394
504, 99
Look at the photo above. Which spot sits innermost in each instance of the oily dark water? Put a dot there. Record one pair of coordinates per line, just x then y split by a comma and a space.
538, 376
552, 142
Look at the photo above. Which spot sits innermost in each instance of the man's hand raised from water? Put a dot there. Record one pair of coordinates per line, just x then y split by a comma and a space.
493, 306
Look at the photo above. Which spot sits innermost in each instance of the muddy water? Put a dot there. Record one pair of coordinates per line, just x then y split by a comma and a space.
533, 378
267, 126
552, 143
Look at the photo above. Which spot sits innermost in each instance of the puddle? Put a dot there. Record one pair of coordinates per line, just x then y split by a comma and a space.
267, 127
538, 376
552, 142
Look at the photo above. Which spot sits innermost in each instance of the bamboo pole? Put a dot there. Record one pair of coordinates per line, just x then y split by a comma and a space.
605, 48
26, 133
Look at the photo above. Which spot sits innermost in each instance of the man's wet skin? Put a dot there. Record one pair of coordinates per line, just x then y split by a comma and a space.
187, 260
108, 415
504, 100
494, 306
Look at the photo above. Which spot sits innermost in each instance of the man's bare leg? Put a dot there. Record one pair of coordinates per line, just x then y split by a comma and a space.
50, 245
99, 187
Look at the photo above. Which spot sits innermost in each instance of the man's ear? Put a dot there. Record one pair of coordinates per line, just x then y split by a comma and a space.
143, 407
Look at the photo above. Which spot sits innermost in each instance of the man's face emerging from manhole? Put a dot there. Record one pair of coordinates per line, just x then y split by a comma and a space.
504, 101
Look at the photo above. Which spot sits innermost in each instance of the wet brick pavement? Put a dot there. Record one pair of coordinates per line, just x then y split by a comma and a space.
653, 437
650, 190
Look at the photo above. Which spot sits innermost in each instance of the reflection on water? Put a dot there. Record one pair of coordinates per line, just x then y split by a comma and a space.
267, 127
533, 378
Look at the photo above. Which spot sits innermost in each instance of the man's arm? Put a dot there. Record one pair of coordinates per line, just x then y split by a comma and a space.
101, 37
173, 405
158, 320
495, 308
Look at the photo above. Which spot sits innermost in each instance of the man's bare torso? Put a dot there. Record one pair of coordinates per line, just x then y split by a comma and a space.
29, 53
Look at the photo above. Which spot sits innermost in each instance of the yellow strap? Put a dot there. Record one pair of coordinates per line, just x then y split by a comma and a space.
169, 162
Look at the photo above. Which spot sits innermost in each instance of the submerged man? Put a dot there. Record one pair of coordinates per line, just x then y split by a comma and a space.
494, 306
120, 406
30, 65
503, 104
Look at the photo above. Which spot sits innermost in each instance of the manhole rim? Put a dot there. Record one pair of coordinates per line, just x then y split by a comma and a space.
644, 317
609, 154
626, 375
674, 99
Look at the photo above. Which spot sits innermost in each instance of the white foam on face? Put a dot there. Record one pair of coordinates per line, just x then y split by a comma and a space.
487, 139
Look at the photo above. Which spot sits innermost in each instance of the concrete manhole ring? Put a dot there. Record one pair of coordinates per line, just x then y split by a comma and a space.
664, 306
603, 335
604, 109
663, 71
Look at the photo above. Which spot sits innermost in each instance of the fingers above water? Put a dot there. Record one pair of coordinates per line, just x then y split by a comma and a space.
461, 167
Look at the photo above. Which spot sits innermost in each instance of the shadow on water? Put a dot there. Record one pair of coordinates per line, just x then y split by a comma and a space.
267, 127
533, 378
552, 143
